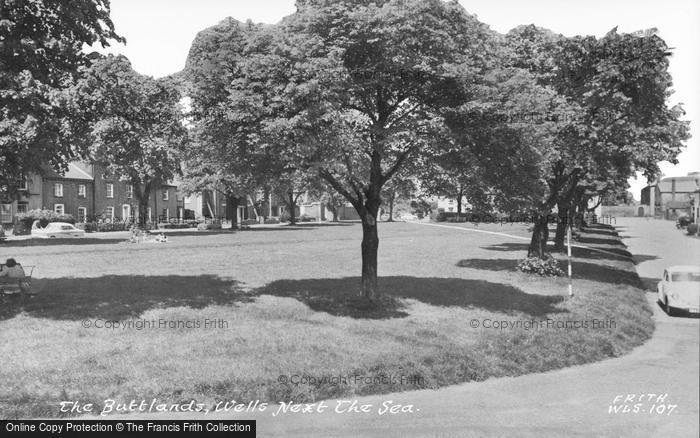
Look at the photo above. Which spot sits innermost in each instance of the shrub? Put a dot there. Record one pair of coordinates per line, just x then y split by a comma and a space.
692, 229
209, 226
285, 217
175, 226
247, 222
44, 217
89, 227
106, 226
548, 267
119, 226
272, 220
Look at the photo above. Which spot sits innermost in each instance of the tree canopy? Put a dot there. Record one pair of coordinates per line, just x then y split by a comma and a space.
41, 54
136, 125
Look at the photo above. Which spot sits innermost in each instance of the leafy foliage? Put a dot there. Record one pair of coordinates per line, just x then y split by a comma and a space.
136, 125
41, 53
44, 217
544, 267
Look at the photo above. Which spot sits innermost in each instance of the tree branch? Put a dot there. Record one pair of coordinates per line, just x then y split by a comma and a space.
330, 179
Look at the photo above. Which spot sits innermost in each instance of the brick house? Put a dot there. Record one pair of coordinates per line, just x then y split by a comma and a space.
29, 198
86, 193
71, 193
671, 196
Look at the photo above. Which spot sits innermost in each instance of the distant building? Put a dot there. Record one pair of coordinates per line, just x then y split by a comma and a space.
86, 193
672, 196
449, 205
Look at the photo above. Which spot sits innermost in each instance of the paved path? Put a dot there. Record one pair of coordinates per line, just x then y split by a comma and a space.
565, 403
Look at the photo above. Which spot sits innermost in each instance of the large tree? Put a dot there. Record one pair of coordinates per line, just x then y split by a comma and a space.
353, 90
41, 52
618, 121
222, 157
137, 131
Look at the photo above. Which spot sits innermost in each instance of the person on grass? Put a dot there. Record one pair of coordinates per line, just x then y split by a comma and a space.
12, 269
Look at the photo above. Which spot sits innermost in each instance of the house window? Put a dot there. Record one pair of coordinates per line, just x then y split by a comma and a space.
166, 214
22, 207
82, 191
165, 195
110, 190
82, 214
23, 183
58, 190
5, 213
129, 191
149, 215
126, 212
59, 208
109, 212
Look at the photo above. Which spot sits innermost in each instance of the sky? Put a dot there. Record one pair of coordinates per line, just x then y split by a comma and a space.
159, 34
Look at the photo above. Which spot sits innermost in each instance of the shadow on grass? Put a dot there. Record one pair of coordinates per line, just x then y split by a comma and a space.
62, 242
326, 224
506, 247
117, 297
604, 274
587, 239
339, 296
174, 233
299, 226
489, 264
273, 229
650, 283
581, 270
609, 254
641, 258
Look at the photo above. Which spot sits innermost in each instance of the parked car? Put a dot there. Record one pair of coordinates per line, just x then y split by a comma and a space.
680, 289
683, 221
56, 230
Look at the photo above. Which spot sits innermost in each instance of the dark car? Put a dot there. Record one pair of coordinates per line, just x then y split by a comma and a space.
683, 221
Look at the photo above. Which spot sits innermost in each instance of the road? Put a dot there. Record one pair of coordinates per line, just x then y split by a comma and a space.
565, 403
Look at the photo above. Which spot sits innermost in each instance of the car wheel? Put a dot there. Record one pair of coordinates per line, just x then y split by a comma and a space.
52, 237
669, 309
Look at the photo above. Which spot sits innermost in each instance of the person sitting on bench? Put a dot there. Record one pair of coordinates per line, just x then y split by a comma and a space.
12, 269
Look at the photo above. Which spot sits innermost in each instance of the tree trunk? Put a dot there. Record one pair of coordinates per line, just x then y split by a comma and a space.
564, 215
459, 204
370, 246
232, 209
143, 192
292, 213
581, 214
333, 209
391, 207
540, 234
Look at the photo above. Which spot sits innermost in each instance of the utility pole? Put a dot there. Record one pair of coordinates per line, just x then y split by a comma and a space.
568, 244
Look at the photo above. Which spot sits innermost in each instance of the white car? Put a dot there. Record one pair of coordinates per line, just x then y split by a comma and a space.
56, 230
680, 289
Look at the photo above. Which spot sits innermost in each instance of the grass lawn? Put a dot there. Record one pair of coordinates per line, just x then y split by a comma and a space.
286, 296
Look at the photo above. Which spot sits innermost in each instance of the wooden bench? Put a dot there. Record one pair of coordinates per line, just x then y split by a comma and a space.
15, 285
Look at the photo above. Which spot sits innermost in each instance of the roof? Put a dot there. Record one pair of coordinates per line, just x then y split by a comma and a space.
74, 171
684, 184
